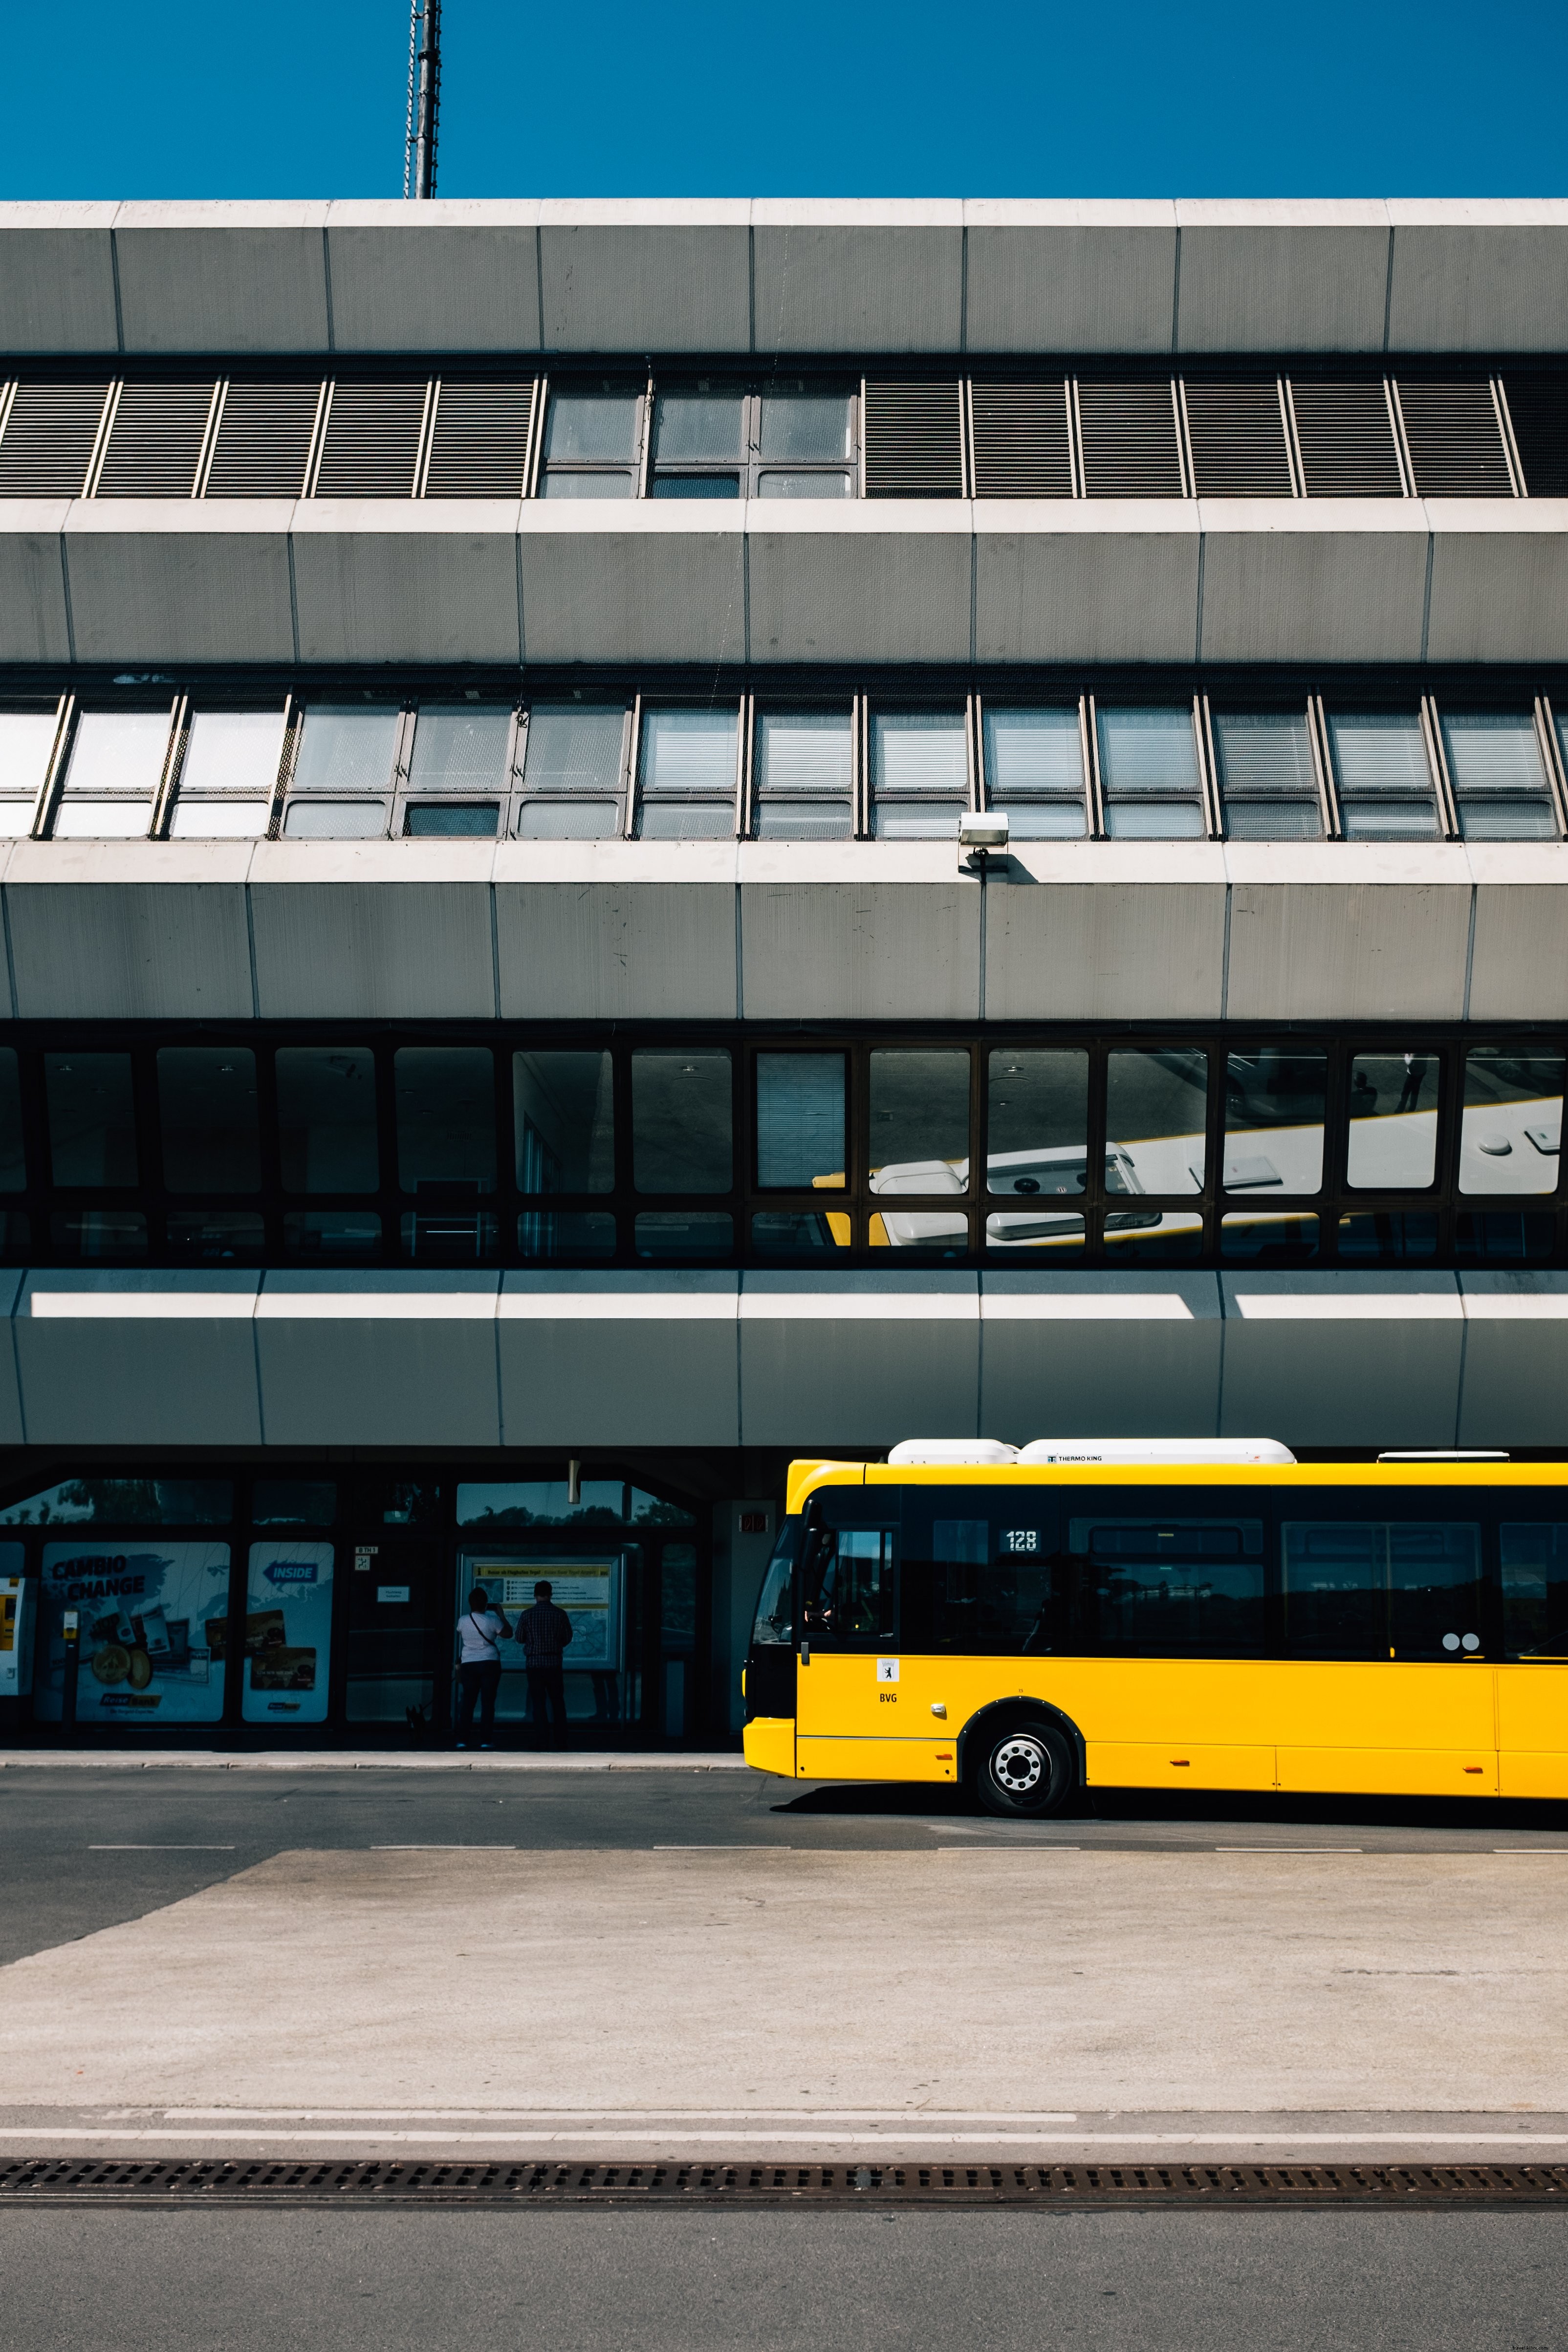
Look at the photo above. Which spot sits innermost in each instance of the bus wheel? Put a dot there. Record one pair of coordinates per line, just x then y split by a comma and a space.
1025, 1771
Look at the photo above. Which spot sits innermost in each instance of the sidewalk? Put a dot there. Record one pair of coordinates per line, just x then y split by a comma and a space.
360, 1759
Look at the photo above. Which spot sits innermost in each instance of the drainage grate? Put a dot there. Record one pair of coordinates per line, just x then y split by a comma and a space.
1058, 2187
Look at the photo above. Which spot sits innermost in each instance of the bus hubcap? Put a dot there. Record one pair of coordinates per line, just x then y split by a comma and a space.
1018, 1766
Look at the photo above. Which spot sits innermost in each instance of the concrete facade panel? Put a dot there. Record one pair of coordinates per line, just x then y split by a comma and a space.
860, 592
452, 281
1292, 583
624, 589
1106, 579
825, 286
1310, 949
56, 277
614, 948
1109, 1355
1062, 945
1070, 278
1519, 957
612, 284
223, 278
156, 580
1489, 277
371, 948
1315, 280
593, 1360
163, 1359
378, 1360
1333, 1359
382, 579
1515, 1389
857, 1359
35, 624
114, 932
865, 951
1500, 578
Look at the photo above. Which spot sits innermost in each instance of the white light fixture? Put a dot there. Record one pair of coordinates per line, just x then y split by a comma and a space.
985, 832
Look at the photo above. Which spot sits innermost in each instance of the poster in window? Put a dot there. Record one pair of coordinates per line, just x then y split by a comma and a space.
286, 1633
153, 1620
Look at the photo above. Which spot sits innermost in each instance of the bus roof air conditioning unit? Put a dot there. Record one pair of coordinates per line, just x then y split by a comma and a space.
954, 1451
1070, 1450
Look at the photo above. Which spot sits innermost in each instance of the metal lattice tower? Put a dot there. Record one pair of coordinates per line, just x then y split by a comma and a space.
423, 112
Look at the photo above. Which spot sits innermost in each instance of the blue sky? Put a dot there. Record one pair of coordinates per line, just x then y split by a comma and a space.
605, 98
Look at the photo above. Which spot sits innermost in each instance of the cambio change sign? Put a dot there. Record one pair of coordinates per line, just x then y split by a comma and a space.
154, 1623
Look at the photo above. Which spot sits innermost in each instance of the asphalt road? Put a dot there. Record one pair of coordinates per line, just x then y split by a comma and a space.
85, 1849
705, 2282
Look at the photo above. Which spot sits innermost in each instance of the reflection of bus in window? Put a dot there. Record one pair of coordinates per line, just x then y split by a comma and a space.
1180, 1615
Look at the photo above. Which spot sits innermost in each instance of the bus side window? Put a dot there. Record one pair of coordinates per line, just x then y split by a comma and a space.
1534, 1588
1171, 1585
851, 1589
1382, 1588
982, 1568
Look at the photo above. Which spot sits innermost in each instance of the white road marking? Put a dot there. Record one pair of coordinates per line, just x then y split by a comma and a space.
160, 1849
903, 2138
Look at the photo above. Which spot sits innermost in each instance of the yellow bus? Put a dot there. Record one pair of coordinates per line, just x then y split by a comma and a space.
1077, 1614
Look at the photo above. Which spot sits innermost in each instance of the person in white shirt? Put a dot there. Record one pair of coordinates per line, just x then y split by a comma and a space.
480, 1631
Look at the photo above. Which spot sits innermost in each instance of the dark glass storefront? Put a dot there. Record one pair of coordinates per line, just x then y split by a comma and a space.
298, 1603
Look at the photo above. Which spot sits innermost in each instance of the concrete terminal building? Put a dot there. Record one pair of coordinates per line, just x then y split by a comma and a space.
505, 1044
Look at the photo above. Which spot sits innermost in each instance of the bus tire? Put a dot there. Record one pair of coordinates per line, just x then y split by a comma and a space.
1025, 1771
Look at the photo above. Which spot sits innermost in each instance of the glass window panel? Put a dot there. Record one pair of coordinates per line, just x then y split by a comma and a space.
451, 820
13, 1158
800, 1121
1156, 1111
1172, 1584
689, 424
1388, 1237
696, 486
1406, 1588
85, 820
460, 747
1270, 1237
565, 1233
585, 486
1500, 785
233, 751
919, 751
780, 819
687, 1233
446, 1119
346, 748
569, 821
1034, 757
1534, 1587
294, 1503
445, 1232
1267, 779
689, 753
1393, 1122
1038, 1152
589, 425
15, 820
564, 1122
219, 820
1511, 1130
335, 820
118, 752
332, 1233
804, 775
686, 821
126, 1503
216, 1236
98, 1234
1274, 1121
806, 425
26, 739
849, 1588
681, 1120
919, 1122
774, 485
326, 1119
1505, 1237
782, 1232
1386, 785
1148, 774
207, 1106
574, 747
92, 1127
1146, 1237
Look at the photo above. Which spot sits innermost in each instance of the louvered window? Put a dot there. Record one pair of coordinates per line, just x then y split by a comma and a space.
227, 775
919, 774
48, 439
1148, 774
461, 772
479, 441
687, 776
1237, 436
573, 768
155, 441
372, 444
1384, 776
1130, 445
1034, 769
805, 775
1498, 778
1023, 447
1455, 443
594, 442
1269, 785
27, 746
914, 441
343, 772
1538, 410
1346, 439
114, 775
263, 444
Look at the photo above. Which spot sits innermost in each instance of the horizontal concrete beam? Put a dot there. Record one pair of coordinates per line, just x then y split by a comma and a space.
801, 1360
371, 581
287, 930
769, 274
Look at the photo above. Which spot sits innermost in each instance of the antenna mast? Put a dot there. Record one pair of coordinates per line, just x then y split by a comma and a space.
423, 98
